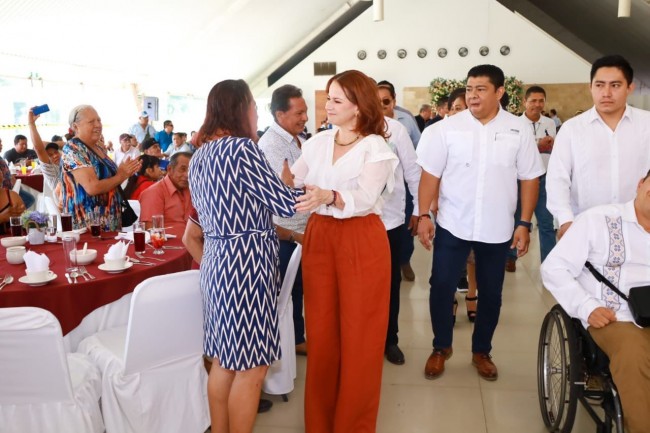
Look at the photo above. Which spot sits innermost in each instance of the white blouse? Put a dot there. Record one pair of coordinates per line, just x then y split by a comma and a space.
360, 176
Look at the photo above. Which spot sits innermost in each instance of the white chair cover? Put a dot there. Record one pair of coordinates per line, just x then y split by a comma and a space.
279, 379
153, 379
17, 184
43, 389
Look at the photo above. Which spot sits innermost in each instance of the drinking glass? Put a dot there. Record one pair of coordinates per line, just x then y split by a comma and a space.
158, 221
139, 237
158, 240
66, 222
95, 225
33, 164
16, 226
70, 254
23, 167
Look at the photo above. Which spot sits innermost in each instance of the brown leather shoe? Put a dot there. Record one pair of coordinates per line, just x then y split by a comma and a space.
407, 272
484, 365
436, 363
511, 264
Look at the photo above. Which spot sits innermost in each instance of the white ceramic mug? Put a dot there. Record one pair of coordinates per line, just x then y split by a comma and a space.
116, 263
38, 276
15, 255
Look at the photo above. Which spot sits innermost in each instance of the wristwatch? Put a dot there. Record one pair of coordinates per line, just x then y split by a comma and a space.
526, 224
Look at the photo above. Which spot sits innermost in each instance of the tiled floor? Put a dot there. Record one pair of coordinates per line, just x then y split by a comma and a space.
458, 401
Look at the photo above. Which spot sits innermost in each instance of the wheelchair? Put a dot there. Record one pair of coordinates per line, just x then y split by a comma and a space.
571, 369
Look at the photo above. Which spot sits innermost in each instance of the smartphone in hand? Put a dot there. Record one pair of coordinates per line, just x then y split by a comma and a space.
40, 109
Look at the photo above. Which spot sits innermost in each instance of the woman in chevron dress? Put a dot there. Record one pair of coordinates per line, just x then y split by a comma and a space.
235, 193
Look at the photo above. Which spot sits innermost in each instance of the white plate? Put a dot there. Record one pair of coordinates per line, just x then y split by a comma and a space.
103, 267
24, 280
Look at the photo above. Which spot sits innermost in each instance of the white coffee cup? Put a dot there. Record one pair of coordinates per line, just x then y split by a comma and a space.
38, 276
115, 263
15, 255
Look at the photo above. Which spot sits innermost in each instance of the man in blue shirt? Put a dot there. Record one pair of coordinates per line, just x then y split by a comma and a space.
164, 137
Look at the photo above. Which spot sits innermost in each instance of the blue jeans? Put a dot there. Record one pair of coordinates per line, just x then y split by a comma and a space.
27, 198
449, 257
544, 223
286, 250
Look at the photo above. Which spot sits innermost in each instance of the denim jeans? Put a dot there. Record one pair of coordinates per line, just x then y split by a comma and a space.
395, 240
544, 222
407, 247
286, 250
449, 257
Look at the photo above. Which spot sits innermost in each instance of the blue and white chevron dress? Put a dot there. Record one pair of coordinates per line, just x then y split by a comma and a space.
235, 192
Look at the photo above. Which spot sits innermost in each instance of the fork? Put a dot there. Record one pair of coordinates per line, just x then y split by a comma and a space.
142, 256
140, 262
84, 272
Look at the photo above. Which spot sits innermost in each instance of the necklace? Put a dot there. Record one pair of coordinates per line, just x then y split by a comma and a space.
345, 144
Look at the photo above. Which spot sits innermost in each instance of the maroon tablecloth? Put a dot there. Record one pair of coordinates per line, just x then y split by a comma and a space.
32, 180
70, 303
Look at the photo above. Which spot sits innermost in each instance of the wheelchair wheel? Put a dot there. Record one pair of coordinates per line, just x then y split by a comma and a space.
558, 371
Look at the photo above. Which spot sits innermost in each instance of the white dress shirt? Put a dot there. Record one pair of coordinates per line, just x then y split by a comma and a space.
360, 176
277, 145
544, 127
395, 203
593, 165
479, 166
589, 239
133, 152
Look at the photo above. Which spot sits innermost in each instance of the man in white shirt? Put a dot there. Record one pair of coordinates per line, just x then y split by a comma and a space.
178, 144
544, 132
389, 105
128, 147
280, 143
470, 166
393, 217
599, 155
615, 239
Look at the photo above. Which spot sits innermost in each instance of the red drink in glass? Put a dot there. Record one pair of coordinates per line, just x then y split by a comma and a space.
66, 222
16, 230
96, 230
138, 240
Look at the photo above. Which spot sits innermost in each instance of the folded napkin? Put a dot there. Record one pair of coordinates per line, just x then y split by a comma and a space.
128, 236
117, 251
36, 262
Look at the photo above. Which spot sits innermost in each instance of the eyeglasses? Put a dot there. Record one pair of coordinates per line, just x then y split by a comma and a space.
386, 101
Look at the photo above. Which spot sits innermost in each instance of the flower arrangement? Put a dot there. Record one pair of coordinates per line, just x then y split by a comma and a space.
440, 87
34, 219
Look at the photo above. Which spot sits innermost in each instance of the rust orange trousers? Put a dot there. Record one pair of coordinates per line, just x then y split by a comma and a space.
346, 277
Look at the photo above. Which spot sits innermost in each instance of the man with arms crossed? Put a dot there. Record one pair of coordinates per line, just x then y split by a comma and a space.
470, 166
600, 155
615, 239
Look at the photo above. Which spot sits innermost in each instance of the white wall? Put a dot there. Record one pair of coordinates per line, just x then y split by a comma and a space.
535, 57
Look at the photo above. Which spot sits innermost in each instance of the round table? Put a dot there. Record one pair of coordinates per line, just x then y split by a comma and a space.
70, 303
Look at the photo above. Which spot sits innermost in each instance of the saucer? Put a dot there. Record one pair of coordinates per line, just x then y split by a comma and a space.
24, 280
103, 267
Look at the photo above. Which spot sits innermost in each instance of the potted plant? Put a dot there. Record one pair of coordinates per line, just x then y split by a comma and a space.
35, 223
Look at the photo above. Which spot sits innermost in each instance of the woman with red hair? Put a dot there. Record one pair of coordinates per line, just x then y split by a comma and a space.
346, 258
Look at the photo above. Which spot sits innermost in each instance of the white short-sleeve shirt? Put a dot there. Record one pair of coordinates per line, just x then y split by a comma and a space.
479, 166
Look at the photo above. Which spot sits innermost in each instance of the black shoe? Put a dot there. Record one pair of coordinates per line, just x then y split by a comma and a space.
394, 355
264, 406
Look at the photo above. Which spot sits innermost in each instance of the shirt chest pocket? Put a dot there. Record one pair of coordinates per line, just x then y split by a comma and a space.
504, 149
460, 147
